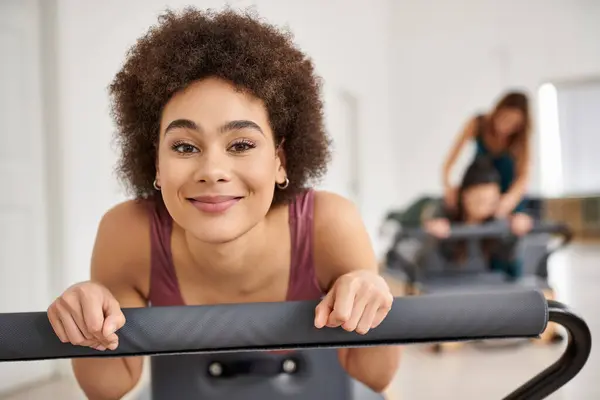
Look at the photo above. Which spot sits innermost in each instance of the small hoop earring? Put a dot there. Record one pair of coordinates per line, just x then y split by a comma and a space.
284, 185
155, 184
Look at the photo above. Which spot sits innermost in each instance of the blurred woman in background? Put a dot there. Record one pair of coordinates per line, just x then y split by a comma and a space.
479, 196
503, 136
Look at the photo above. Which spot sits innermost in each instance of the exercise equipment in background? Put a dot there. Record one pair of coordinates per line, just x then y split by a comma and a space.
226, 341
416, 257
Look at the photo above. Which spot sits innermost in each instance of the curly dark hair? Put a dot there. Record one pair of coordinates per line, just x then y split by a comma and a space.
254, 56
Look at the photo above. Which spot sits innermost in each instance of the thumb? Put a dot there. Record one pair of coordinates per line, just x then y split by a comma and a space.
323, 310
114, 318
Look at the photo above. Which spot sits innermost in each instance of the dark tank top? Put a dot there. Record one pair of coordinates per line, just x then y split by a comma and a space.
187, 372
164, 286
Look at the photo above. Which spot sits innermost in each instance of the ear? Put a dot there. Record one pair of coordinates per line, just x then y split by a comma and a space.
157, 174
280, 162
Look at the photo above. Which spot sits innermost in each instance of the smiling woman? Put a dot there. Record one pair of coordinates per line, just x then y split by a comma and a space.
217, 159
221, 132
166, 64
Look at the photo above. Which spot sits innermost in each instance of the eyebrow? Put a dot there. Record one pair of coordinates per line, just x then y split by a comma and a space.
229, 126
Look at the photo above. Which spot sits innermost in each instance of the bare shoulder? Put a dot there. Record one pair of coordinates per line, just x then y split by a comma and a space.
125, 224
331, 207
472, 126
341, 241
128, 215
121, 255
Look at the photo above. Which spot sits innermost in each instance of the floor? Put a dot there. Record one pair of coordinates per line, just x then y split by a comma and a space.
471, 372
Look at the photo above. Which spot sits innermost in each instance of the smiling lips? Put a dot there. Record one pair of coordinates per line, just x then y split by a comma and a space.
214, 204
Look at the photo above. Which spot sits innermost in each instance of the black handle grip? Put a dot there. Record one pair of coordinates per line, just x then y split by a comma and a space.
288, 325
570, 363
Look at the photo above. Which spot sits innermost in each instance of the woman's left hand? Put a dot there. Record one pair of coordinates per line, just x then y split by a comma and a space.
358, 301
521, 224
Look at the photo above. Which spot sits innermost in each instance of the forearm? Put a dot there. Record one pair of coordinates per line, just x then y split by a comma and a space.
467, 133
375, 367
517, 189
515, 192
107, 378
446, 171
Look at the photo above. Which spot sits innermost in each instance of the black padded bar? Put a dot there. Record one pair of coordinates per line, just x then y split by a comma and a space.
490, 229
287, 325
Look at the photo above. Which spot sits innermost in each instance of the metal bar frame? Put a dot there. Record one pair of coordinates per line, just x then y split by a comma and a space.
579, 347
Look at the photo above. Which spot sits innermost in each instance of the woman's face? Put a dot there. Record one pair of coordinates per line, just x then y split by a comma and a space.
217, 160
508, 121
481, 201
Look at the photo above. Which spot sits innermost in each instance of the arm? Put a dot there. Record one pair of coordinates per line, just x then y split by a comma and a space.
468, 133
515, 193
436, 210
120, 255
342, 245
437, 220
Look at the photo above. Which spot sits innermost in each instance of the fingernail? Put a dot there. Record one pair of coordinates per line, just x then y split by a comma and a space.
100, 348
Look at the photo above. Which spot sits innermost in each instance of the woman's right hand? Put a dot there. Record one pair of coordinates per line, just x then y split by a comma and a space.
439, 227
87, 314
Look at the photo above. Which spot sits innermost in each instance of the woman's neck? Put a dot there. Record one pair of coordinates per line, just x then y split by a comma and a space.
244, 259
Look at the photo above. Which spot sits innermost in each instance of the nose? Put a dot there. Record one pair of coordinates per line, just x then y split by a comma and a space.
214, 167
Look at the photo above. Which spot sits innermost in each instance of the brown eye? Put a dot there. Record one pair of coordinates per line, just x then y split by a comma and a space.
242, 146
184, 148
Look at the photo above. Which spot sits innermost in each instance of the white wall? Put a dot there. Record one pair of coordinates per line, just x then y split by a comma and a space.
348, 45
451, 59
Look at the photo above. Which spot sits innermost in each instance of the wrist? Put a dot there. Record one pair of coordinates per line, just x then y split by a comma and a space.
507, 200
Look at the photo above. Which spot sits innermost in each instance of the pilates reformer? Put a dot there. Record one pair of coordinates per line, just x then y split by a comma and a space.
222, 351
